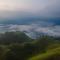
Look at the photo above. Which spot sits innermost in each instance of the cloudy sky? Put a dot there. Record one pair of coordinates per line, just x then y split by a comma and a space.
9, 8
41, 16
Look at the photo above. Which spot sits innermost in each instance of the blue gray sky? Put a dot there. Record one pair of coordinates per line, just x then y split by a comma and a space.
23, 8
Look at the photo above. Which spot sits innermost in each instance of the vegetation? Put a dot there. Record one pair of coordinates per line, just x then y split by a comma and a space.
18, 46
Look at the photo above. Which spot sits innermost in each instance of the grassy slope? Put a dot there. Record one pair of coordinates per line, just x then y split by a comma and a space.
53, 54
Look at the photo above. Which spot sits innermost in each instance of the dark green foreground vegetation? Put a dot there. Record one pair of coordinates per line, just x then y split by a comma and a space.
18, 46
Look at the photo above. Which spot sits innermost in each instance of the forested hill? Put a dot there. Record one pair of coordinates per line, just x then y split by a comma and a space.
14, 37
18, 46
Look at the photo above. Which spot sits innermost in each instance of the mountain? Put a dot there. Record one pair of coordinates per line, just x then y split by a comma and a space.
14, 37
30, 20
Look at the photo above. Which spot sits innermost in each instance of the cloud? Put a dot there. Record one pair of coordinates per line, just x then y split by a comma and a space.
52, 9
33, 29
14, 8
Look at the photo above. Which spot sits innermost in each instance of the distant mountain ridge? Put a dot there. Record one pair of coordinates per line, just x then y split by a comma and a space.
24, 21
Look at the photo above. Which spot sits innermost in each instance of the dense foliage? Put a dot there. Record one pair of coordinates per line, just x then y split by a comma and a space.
18, 46
13, 37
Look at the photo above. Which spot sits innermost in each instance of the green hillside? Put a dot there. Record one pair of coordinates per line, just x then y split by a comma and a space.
18, 46
53, 54
14, 37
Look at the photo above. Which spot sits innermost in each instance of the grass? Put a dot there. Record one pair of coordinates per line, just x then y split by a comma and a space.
49, 55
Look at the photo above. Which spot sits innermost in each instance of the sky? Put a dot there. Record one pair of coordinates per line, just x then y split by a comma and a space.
30, 16
9, 8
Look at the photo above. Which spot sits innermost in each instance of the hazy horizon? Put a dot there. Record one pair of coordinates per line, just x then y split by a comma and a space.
41, 16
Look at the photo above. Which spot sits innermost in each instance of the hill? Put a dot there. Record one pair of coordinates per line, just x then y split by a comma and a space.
18, 46
14, 37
